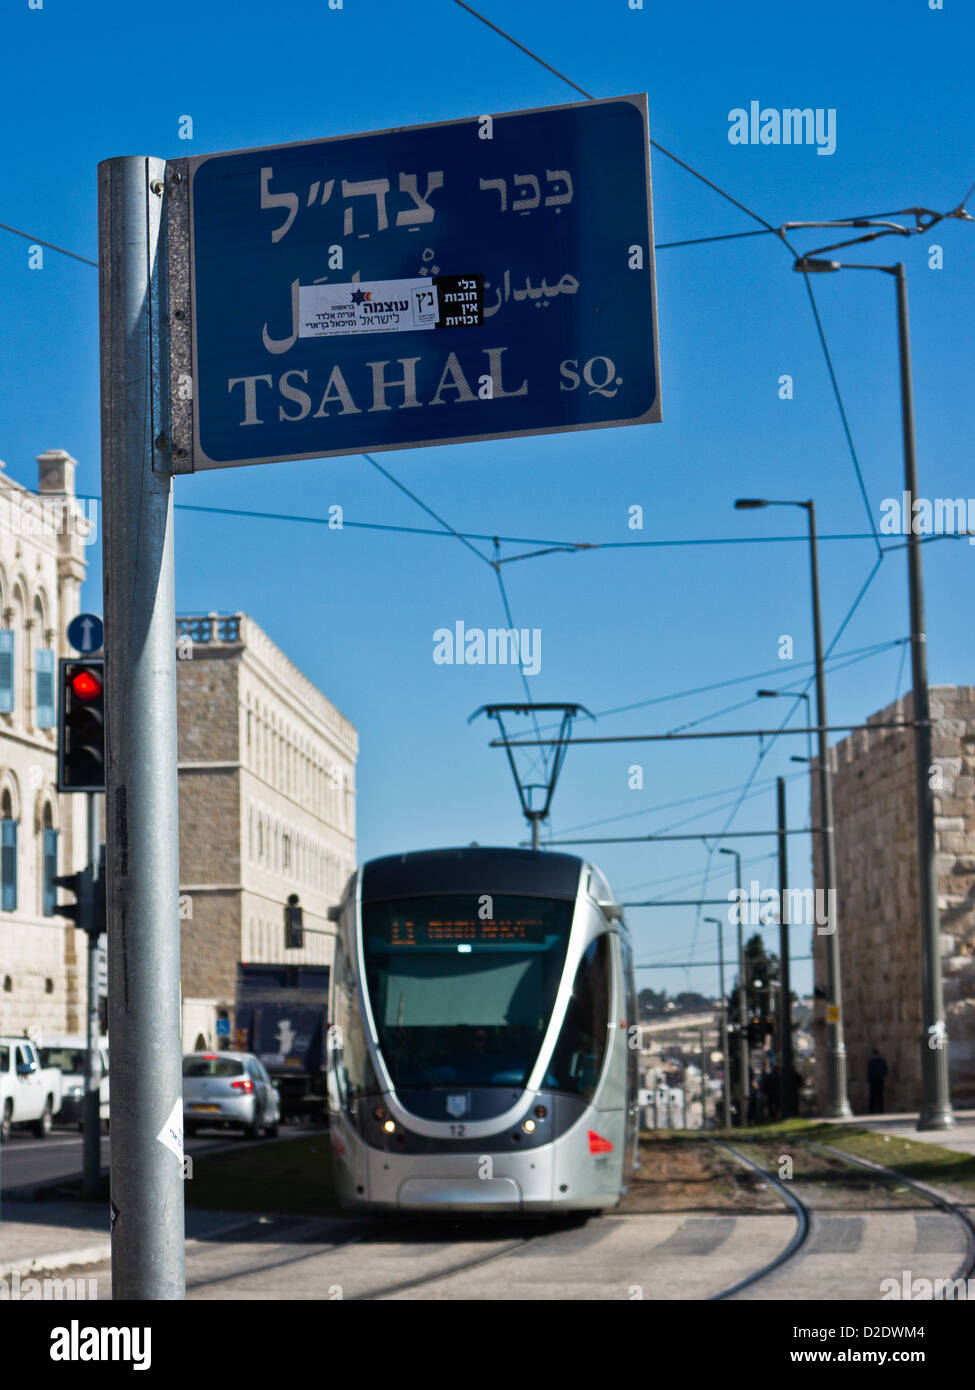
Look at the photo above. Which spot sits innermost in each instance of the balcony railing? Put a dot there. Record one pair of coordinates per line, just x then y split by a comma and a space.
209, 628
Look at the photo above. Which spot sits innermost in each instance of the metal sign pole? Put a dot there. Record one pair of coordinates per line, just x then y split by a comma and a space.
141, 789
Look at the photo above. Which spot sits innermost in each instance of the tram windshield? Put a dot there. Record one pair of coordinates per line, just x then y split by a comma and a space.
461, 999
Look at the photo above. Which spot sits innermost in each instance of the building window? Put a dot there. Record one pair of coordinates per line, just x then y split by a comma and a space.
50, 868
8, 856
44, 687
260, 839
285, 853
6, 671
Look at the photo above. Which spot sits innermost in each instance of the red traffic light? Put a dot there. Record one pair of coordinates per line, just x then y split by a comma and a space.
86, 685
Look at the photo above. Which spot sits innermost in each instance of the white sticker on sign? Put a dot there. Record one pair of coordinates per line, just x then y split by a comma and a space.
374, 306
171, 1133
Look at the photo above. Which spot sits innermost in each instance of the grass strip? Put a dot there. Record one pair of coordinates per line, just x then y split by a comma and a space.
293, 1177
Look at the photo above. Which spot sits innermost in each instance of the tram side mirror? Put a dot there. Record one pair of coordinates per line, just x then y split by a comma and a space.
612, 909
334, 913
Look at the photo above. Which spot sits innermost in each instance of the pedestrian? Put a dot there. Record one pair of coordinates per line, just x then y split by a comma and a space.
876, 1074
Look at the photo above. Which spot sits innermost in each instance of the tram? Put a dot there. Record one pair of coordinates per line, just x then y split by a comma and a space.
482, 1048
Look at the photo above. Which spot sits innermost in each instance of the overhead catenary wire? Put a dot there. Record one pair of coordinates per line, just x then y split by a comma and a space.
552, 546
543, 754
51, 246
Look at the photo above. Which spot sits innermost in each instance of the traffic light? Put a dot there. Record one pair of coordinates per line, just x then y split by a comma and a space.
759, 1028
81, 727
74, 883
294, 937
88, 912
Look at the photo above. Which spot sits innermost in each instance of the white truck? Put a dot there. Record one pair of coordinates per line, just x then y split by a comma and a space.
29, 1093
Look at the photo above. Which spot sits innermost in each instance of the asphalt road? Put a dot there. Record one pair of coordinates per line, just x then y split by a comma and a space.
26, 1161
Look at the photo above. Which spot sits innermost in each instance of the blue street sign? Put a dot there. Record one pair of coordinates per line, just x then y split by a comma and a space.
223, 1027
85, 633
472, 279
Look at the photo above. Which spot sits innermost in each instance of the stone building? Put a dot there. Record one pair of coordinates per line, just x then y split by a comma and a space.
878, 902
266, 810
43, 537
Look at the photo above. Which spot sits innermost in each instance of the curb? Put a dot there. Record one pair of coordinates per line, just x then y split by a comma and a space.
62, 1259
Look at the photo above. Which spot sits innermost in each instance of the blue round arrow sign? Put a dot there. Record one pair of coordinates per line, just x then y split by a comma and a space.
86, 633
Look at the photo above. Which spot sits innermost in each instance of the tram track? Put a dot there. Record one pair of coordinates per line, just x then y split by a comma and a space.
322, 1248
415, 1230
437, 1276
938, 1199
809, 1215
839, 1243
798, 1240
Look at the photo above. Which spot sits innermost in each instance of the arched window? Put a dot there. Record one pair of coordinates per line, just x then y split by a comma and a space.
49, 862
43, 668
20, 634
8, 854
6, 656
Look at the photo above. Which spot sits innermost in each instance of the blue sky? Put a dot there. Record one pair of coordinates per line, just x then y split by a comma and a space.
357, 609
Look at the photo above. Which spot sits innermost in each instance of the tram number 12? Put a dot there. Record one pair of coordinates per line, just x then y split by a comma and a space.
458, 1131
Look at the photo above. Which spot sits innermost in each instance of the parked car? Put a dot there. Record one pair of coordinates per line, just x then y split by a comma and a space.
230, 1090
29, 1093
69, 1051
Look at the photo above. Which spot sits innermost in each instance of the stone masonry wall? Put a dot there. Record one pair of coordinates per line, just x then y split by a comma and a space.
210, 947
207, 696
209, 825
878, 906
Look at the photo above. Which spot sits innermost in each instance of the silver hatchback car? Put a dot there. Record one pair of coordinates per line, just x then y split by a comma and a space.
230, 1090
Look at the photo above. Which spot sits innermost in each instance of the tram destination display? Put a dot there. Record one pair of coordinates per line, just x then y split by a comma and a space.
406, 932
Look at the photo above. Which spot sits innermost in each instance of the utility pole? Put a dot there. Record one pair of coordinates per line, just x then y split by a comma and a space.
704, 1091
837, 1103
936, 1112
725, 1057
743, 1063
140, 680
726, 1067
787, 1100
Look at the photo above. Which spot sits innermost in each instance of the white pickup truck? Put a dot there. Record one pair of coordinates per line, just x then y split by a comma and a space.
29, 1093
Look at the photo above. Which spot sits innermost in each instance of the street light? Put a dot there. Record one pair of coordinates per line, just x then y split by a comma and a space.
726, 1069
792, 695
837, 1103
743, 1067
936, 1112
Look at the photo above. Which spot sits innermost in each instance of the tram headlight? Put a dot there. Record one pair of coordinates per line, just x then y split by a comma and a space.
529, 1126
389, 1126
540, 1112
380, 1113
